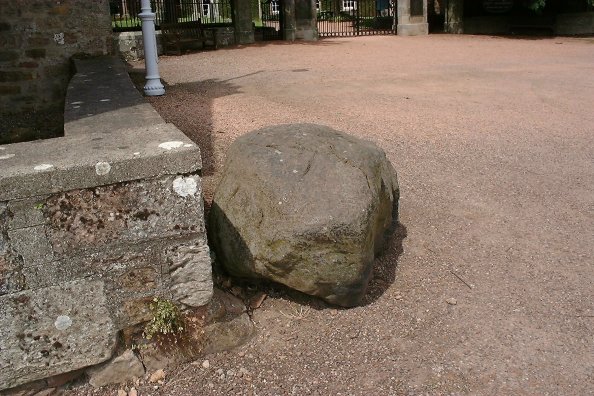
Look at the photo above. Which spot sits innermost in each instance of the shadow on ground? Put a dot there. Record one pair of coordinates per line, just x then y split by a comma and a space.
198, 126
384, 266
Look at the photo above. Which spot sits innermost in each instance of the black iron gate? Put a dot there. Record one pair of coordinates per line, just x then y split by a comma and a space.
271, 20
338, 18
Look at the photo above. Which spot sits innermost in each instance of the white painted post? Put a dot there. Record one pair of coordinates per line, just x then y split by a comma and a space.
153, 86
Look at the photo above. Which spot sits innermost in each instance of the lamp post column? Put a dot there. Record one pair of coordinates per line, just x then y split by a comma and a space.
153, 86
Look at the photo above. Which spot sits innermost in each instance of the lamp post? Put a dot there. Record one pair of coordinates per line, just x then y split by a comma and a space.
153, 86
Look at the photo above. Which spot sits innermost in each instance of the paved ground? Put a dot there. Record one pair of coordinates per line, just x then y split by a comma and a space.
488, 286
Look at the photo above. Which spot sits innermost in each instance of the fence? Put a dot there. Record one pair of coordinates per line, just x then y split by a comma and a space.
355, 17
124, 13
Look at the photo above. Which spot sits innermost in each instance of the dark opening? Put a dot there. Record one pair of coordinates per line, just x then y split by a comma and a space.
36, 119
519, 8
526, 17
436, 15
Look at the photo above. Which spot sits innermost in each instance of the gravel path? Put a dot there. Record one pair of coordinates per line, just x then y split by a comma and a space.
488, 286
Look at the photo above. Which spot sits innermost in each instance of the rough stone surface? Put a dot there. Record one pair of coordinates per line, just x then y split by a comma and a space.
225, 325
305, 206
223, 336
191, 275
123, 368
62, 379
26, 212
99, 222
143, 237
47, 332
154, 358
91, 219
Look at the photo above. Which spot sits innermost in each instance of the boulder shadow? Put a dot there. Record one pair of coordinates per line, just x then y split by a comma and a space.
385, 264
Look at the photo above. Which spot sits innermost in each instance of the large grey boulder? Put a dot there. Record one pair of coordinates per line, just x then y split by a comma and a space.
306, 206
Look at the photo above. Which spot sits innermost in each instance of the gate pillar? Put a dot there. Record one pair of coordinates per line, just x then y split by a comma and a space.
289, 23
412, 18
306, 26
242, 22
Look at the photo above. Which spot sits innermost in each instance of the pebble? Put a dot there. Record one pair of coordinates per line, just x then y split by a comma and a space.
122, 392
133, 392
206, 364
452, 301
243, 372
157, 376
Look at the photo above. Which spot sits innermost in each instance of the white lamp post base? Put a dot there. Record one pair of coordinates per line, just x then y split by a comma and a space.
153, 86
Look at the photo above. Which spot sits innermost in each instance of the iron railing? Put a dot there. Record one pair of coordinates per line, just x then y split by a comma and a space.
355, 17
271, 19
124, 13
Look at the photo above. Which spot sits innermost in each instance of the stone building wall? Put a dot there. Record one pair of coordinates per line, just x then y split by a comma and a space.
37, 40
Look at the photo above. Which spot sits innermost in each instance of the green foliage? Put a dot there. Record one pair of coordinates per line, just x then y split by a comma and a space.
536, 5
167, 319
539, 5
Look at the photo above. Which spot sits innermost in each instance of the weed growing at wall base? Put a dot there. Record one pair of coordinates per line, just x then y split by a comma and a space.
167, 319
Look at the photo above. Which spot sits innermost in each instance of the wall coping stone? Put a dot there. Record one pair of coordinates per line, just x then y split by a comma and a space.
111, 135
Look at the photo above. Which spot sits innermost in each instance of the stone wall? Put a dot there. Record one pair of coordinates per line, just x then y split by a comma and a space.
93, 226
37, 39
130, 44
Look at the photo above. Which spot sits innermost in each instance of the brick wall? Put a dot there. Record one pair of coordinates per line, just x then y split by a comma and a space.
37, 40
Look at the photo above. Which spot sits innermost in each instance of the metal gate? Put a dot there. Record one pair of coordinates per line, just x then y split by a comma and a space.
271, 18
337, 18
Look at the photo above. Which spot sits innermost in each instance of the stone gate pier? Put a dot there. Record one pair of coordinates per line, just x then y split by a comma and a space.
412, 18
